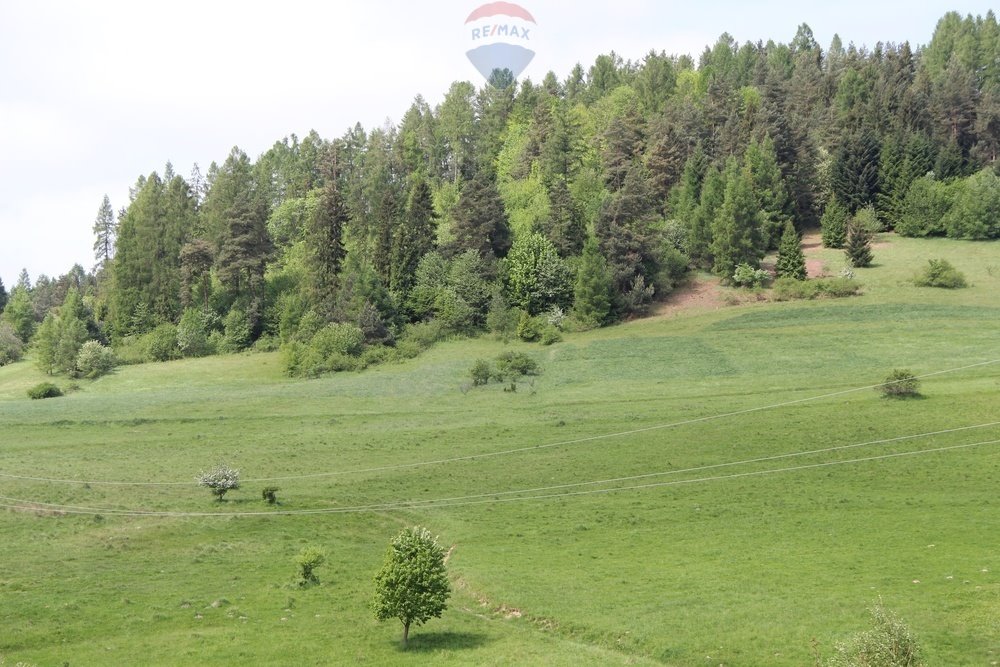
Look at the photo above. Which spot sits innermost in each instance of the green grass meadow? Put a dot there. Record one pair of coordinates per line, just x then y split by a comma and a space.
717, 560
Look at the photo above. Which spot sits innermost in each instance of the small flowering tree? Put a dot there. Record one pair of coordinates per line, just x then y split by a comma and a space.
220, 479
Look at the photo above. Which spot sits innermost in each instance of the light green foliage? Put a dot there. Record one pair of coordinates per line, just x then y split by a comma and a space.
790, 289
529, 327
481, 372
412, 584
160, 344
19, 313
220, 480
307, 561
834, 224
888, 643
501, 320
900, 383
11, 347
512, 365
791, 260
237, 330
867, 219
925, 206
44, 390
974, 212
940, 273
746, 275
193, 331
536, 277
95, 360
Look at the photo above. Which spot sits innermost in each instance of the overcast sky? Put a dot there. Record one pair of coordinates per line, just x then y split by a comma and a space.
93, 94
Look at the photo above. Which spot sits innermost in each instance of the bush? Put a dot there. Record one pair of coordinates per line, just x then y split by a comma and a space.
193, 332
220, 479
529, 328
308, 560
95, 360
11, 347
338, 339
270, 495
512, 365
901, 383
550, 335
889, 643
747, 276
481, 372
867, 219
44, 390
789, 289
237, 331
940, 273
160, 344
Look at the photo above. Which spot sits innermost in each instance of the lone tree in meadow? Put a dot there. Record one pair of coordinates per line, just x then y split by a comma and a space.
220, 479
412, 584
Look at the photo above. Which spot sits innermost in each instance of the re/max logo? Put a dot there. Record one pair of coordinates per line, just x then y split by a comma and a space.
500, 30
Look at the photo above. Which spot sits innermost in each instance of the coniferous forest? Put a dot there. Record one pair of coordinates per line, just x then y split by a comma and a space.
521, 208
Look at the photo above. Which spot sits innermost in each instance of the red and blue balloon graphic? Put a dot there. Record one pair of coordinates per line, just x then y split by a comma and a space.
500, 34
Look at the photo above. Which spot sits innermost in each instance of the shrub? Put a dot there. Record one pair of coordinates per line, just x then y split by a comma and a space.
237, 331
160, 344
901, 383
270, 495
193, 331
550, 335
501, 320
481, 372
789, 289
11, 347
44, 390
867, 219
338, 339
308, 560
747, 276
512, 365
220, 479
529, 328
940, 273
889, 643
95, 360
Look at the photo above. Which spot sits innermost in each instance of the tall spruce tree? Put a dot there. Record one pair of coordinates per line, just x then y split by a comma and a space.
3, 296
855, 170
834, 224
324, 236
564, 225
592, 295
859, 246
414, 238
480, 221
105, 229
791, 260
736, 229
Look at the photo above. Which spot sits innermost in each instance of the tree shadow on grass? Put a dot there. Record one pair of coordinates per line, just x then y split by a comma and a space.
423, 642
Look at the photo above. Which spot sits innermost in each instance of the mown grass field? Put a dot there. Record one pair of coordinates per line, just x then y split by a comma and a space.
744, 564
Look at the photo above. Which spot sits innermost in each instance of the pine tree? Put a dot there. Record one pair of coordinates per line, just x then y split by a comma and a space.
564, 225
769, 190
736, 233
480, 221
791, 261
105, 230
414, 238
855, 170
592, 296
325, 238
3, 296
713, 192
859, 246
46, 344
834, 224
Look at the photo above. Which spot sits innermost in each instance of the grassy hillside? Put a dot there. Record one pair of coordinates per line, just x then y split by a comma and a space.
711, 563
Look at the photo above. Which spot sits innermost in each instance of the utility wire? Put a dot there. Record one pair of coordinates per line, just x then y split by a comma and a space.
506, 452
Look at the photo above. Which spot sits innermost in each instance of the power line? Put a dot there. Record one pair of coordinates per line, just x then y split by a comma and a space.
28, 505
506, 452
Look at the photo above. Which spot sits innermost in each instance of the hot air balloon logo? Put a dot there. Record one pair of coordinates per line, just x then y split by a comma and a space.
500, 34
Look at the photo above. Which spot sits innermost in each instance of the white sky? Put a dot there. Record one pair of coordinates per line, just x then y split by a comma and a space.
92, 94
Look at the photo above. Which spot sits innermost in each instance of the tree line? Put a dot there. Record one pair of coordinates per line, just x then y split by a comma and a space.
577, 201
